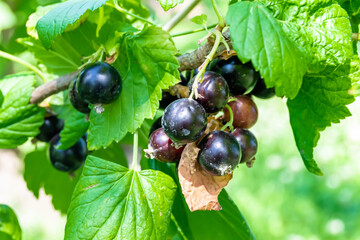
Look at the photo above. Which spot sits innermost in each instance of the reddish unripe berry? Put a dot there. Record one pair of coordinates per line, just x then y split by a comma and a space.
244, 110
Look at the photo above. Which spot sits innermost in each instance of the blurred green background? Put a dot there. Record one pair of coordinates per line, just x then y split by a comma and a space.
279, 198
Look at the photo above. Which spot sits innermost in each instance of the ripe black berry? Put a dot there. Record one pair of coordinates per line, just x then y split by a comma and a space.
219, 153
184, 120
99, 83
75, 99
248, 143
240, 77
213, 91
244, 110
162, 148
261, 91
70, 159
51, 126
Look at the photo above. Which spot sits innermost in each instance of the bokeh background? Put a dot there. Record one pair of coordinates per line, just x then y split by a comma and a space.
279, 198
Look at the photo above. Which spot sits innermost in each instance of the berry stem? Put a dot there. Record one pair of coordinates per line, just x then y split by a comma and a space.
134, 165
178, 227
202, 68
24, 63
220, 18
180, 16
229, 124
193, 31
120, 9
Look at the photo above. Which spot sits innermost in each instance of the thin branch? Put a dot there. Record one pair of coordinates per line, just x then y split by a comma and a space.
356, 36
60, 84
187, 61
180, 16
193, 31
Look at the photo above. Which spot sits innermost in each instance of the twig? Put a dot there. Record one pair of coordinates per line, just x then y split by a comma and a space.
180, 15
193, 31
356, 36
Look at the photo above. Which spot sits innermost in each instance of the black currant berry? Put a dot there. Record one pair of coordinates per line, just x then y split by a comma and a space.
240, 77
248, 143
219, 153
99, 83
75, 99
184, 121
261, 91
162, 148
213, 91
51, 126
70, 159
156, 125
244, 110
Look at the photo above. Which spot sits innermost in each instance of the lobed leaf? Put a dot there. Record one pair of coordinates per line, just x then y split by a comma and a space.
19, 120
113, 202
320, 28
9, 224
321, 101
58, 19
147, 64
257, 36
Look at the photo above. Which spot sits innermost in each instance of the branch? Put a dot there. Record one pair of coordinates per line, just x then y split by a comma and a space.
60, 84
356, 36
179, 16
187, 61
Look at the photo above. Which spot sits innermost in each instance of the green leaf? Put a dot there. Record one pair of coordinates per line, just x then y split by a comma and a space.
225, 224
257, 36
147, 64
112, 202
168, 4
114, 153
74, 128
67, 50
19, 120
136, 6
9, 224
200, 20
320, 28
1, 98
355, 5
39, 173
55, 22
35, 17
321, 101
355, 69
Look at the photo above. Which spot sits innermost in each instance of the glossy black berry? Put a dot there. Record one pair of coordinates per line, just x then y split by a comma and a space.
213, 92
156, 125
244, 110
261, 91
219, 153
162, 148
70, 159
75, 99
240, 77
184, 121
51, 126
99, 83
248, 143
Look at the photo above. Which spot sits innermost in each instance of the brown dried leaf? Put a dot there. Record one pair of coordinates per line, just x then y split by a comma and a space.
200, 189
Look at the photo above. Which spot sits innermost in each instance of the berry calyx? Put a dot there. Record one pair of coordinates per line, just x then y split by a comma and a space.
75, 99
213, 92
248, 143
219, 153
51, 126
261, 91
240, 77
162, 148
184, 121
70, 159
99, 83
244, 110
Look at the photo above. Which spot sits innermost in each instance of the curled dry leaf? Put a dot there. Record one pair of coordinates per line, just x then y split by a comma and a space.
200, 189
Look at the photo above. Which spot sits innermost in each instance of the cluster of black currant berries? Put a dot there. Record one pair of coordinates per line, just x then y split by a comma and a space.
185, 120
98, 83
67, 160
